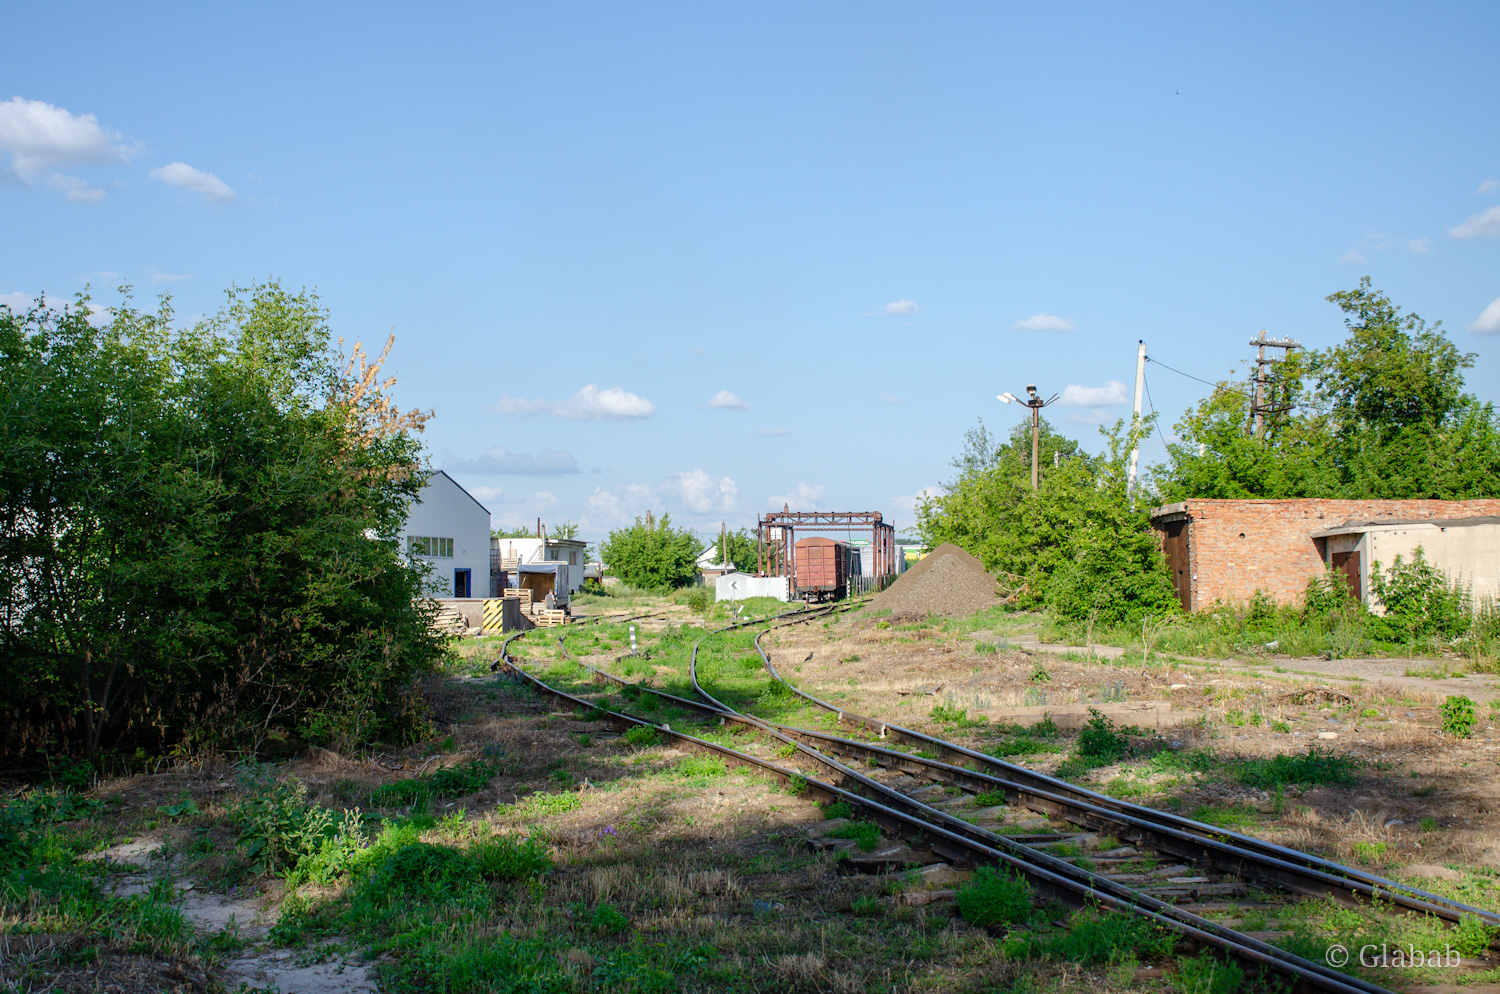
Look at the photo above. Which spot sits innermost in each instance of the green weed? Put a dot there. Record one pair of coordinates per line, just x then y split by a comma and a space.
644, 736
866, 834
1313, 767
994, 897
1459, 717
1208, 974
508, 858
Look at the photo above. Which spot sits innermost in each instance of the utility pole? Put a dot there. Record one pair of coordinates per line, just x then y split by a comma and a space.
1140, 388
1259, 409
1036, 431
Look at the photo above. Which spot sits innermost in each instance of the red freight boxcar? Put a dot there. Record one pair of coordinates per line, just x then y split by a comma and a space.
822, 569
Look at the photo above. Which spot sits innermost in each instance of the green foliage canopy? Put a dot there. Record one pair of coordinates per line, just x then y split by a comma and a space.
652, 554
198, 532
1077, 540
1381, 415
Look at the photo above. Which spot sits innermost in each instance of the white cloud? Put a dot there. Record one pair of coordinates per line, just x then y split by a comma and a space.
206, 185
1486, 225
1488, 186
701, 492
73, 189
1421, 246
697, 350
508, 510
40, 137
159, 278
900, 308
1488, 322
1095, 416
778, 430
1370, 243
1113, 392
728, 401
588, 404
548, 462
802, 497
695, 492
907, 503
19, 303
889, 398
1043, 322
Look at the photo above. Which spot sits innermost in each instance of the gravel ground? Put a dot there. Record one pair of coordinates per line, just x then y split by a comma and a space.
947, 581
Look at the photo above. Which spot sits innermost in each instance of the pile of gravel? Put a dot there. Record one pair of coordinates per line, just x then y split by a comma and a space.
947, 581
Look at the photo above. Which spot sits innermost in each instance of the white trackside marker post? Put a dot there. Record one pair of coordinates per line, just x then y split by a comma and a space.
632, 640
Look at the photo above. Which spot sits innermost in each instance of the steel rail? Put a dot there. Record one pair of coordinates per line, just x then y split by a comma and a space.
1347, 879
1082, 883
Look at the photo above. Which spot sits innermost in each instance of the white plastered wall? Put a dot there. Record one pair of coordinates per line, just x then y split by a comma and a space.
445, 510
1469, 554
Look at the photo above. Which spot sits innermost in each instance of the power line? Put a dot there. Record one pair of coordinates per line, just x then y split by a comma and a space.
1180, 372
1156, 422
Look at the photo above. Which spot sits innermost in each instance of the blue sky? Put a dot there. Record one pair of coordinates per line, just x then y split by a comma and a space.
706, 258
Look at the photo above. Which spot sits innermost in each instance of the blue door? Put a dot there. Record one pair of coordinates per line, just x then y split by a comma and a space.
461, 583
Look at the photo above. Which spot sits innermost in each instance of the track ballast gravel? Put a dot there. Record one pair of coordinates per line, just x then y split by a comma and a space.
947, 582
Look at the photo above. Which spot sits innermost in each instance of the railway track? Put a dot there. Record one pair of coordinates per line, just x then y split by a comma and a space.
908, 796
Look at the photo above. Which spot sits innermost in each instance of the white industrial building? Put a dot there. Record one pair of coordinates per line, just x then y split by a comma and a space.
449, 530
507, 553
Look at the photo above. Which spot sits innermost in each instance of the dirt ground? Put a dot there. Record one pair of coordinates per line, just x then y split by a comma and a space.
1411, 770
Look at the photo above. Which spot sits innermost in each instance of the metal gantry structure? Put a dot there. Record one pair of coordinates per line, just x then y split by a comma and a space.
776, 539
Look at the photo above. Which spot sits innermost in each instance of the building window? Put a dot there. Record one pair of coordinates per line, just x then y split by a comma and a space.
426, 545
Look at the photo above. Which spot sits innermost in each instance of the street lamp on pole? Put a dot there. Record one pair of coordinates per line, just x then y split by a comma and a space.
1036, 403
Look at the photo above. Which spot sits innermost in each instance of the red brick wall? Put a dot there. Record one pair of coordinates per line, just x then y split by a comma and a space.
1237, 547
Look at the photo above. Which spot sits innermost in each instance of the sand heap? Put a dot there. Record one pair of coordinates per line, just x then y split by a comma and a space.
947, 581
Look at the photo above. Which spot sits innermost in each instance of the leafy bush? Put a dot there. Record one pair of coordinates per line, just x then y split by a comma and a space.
1419, 600
1083, 547
1459, 717
994, 897
507, 858
1098, 742
277, 825
247, 585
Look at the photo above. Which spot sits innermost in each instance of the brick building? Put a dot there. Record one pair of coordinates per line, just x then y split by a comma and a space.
1226, 550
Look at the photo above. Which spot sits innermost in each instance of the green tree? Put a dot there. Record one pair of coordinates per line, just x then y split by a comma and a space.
740, 546
1382, 414
565, 530
1078, 541
198, 531
513, 532
652, 554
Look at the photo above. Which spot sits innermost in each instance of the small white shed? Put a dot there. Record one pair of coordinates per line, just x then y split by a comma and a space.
449, 530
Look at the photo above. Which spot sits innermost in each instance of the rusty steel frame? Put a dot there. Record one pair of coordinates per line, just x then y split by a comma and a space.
786, 523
